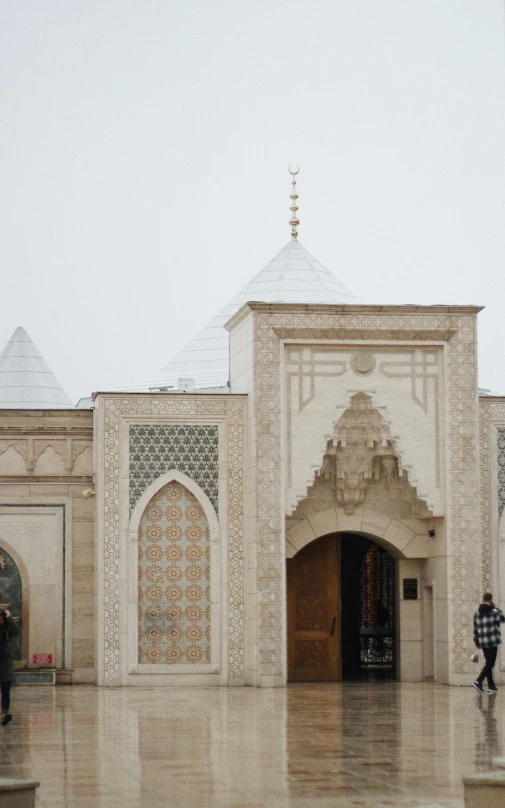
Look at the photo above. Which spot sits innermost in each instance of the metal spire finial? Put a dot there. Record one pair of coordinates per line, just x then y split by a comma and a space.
294, 222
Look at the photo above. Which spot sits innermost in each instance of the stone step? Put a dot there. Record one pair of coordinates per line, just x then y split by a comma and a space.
34, 676
485, 790
17, 793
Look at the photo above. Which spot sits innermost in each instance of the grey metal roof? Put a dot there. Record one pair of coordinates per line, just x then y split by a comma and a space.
293, 276
26, 380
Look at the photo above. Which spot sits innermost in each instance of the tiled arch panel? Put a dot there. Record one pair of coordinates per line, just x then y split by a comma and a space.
174, 579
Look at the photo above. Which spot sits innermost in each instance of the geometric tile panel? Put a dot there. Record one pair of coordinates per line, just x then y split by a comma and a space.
190, 449
174, 579
501, 471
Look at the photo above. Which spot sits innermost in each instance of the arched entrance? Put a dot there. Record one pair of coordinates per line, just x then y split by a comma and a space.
11, 597
341, 609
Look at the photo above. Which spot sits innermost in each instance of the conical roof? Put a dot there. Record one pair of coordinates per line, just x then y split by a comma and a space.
26, 380
293, 276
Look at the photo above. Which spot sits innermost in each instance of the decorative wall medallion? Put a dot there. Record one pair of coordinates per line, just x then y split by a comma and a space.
156, 449
362, 363
174, 579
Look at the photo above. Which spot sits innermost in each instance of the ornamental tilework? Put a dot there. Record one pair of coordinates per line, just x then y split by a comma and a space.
231, 410
190, 449
174, 579
501, 470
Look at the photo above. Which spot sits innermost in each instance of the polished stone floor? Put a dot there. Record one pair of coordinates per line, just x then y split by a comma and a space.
308, 746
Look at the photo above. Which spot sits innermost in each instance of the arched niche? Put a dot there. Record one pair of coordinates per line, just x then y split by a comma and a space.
159, 483
174, 541
14, 592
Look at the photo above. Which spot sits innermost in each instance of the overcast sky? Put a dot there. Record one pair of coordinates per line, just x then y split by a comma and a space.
144, 150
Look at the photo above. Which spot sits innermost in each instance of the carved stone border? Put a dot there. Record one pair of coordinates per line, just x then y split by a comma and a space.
111, 410
491, 411
461, 443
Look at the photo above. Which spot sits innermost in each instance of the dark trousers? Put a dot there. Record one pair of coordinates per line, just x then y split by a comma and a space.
5, 690
487, 670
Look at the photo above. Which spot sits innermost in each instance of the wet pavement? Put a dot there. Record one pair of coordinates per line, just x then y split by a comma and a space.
310, 745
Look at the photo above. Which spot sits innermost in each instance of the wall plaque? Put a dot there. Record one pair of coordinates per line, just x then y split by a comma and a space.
42, 659
410, 588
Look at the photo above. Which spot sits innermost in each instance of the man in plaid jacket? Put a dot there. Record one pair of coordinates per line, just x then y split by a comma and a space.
487, 636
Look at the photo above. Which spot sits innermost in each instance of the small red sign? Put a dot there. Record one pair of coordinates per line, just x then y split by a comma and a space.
42, 659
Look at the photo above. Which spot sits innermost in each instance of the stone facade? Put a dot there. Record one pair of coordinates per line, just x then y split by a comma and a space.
301, 365
341, 419
47, 527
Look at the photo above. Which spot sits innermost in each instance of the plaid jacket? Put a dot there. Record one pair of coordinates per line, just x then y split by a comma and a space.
486, 626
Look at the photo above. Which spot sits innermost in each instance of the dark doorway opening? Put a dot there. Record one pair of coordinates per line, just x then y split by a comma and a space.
368, 609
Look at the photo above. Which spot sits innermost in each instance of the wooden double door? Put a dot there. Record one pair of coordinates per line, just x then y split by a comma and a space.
314, 612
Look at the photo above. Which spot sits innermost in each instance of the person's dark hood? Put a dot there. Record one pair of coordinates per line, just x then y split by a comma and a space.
485, 608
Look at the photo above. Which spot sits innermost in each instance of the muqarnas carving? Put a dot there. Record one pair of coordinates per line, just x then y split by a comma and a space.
361, 450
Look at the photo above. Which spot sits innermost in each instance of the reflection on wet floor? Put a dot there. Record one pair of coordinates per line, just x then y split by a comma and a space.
403, 745
487, 737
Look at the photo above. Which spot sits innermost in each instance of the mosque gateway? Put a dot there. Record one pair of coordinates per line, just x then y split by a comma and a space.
312, 490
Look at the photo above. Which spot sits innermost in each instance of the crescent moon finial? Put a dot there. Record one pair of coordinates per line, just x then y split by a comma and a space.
293, 222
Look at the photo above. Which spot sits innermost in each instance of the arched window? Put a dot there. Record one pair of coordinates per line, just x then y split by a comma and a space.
174, 579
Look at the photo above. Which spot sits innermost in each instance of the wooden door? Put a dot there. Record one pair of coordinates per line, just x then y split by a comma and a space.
314, 607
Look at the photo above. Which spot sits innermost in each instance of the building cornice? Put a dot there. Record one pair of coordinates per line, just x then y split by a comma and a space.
348, 309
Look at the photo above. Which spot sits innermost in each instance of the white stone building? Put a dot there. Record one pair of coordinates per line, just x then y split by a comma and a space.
311, 490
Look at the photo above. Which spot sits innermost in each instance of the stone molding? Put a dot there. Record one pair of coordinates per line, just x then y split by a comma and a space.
363, 336
113, 414
398, 539
491, 418
34, 448
353, 310
45, 443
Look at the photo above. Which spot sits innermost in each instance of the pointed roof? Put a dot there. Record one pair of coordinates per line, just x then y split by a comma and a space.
293, 276
26, 380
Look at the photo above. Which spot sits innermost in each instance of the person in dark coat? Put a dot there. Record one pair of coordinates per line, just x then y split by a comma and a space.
8, 629
487, 636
